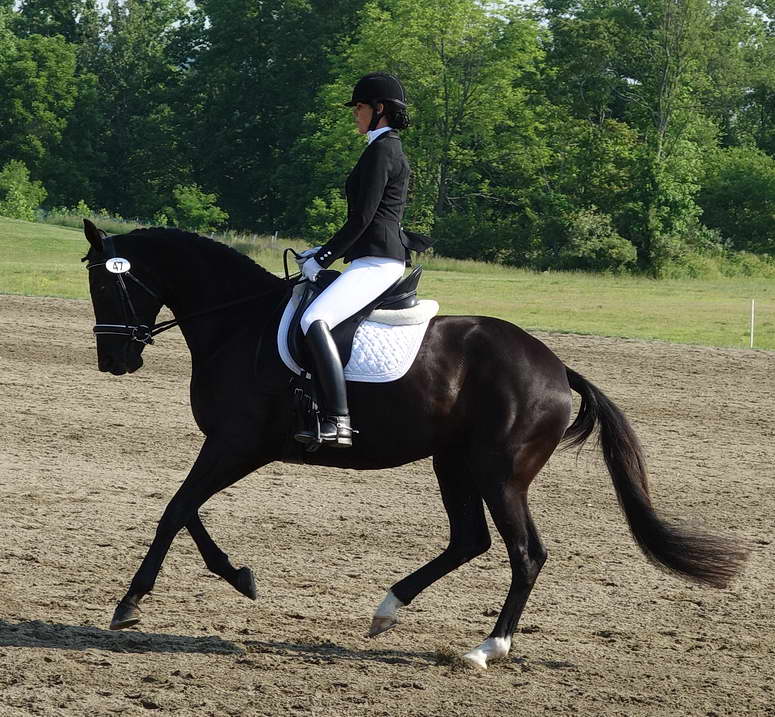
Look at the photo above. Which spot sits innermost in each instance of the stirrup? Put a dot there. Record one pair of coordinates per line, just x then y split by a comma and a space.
336, 431
305, 436
307, 429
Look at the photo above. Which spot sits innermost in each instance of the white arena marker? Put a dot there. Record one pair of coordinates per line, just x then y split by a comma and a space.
117, 265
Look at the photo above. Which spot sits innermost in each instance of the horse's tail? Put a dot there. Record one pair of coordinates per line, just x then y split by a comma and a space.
696, 555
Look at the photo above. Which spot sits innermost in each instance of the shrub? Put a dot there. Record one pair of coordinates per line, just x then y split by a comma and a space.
744, 263
19, 196
325, 216
74, 216
463, 235
194, 210
718, 263
595, 245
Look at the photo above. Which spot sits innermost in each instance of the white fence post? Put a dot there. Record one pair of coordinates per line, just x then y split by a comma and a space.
753, 316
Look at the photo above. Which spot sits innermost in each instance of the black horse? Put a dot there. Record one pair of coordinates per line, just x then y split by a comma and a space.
488, 401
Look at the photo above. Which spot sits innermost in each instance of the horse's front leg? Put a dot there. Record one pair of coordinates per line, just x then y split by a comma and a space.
217, 467
241, 579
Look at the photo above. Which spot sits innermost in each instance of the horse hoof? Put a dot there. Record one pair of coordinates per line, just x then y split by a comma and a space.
476, 659
246, 583
493, 648
125, 615
381, 624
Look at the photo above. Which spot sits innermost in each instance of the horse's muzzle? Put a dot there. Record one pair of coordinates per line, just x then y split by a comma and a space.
109, 364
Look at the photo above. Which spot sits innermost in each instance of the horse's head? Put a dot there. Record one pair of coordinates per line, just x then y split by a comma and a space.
125, 308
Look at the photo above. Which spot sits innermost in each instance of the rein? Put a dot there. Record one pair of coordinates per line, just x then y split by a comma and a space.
136, 331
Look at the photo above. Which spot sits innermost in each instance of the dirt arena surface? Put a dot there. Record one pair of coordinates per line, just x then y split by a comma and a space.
88, 462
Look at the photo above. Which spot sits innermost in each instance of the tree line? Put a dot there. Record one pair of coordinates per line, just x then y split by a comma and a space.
578, 134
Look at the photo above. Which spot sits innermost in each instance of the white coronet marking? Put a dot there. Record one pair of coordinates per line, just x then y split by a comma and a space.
385, 615
117, 265
492, 648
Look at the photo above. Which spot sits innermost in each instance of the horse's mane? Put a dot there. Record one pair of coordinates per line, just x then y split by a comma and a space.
239, 268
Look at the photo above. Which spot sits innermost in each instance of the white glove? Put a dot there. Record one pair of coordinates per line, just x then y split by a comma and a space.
310, 269
306, 254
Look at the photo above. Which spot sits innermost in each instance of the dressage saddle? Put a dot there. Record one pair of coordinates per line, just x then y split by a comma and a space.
402, 295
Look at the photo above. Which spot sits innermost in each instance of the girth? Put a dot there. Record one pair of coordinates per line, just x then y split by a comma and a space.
402, 295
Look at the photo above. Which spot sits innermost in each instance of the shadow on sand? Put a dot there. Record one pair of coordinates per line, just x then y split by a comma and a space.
39, 634
329, 652
36, 633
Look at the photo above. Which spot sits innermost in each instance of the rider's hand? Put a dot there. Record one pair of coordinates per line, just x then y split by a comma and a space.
306, 254
310, 269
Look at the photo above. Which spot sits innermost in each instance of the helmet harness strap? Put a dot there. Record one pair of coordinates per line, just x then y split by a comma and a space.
376, 116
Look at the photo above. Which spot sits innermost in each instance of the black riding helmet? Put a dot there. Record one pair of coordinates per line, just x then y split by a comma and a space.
377, 87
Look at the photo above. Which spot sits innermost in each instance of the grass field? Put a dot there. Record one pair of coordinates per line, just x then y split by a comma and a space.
44, 260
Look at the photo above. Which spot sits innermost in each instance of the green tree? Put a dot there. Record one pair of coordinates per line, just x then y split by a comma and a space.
37, 87
462, 65
738, 198
77, 21
72, 166
139, 84
651, 67
256, 71
752, 115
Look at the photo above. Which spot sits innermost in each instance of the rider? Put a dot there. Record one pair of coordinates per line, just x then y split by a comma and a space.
371, 241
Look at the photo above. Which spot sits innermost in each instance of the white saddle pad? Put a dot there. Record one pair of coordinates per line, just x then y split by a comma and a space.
385, 344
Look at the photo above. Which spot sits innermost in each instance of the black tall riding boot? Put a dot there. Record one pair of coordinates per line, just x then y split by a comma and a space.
335, 418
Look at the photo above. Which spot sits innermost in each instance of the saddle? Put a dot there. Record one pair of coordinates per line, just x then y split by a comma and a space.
402, 295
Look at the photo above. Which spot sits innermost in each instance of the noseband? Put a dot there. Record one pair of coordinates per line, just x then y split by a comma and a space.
132, 328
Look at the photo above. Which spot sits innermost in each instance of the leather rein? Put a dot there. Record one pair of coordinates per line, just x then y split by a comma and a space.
132, 328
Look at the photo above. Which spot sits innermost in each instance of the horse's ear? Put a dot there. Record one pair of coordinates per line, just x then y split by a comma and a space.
93, 234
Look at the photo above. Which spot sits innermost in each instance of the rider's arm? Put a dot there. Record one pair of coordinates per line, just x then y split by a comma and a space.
374, 173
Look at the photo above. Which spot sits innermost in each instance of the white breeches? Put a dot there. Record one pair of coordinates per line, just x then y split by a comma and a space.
359, 284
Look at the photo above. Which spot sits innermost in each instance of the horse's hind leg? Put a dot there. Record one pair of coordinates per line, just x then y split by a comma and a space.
217, 561
216, 468
505, 494
468, 537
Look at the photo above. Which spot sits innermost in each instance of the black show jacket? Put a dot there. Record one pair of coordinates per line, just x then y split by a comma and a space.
376, 191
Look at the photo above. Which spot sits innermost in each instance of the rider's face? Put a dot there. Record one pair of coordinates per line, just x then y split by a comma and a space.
362, 114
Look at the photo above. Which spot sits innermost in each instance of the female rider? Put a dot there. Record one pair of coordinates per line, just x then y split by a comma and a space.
371, 241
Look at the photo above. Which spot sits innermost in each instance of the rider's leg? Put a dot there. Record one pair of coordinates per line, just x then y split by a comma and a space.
335, 418
362, 282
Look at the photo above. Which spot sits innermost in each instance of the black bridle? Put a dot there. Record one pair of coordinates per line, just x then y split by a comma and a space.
132, 328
